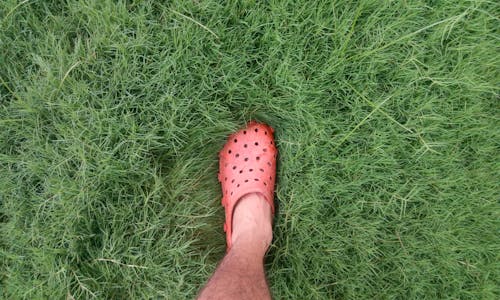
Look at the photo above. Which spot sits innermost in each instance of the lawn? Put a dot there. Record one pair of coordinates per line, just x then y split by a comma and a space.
387, 124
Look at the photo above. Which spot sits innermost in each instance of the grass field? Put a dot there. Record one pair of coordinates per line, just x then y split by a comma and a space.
387, 122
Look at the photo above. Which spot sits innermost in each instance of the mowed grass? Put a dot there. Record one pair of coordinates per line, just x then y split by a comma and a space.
387, 122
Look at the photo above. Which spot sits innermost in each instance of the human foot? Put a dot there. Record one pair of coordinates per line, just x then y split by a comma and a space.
252, 219
247, 171
240, 275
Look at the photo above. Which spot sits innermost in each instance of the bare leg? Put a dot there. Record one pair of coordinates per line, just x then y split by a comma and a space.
240, 275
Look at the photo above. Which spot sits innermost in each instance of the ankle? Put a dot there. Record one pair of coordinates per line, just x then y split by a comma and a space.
254, 244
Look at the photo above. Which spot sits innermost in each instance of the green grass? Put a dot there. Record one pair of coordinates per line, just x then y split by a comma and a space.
387, 122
